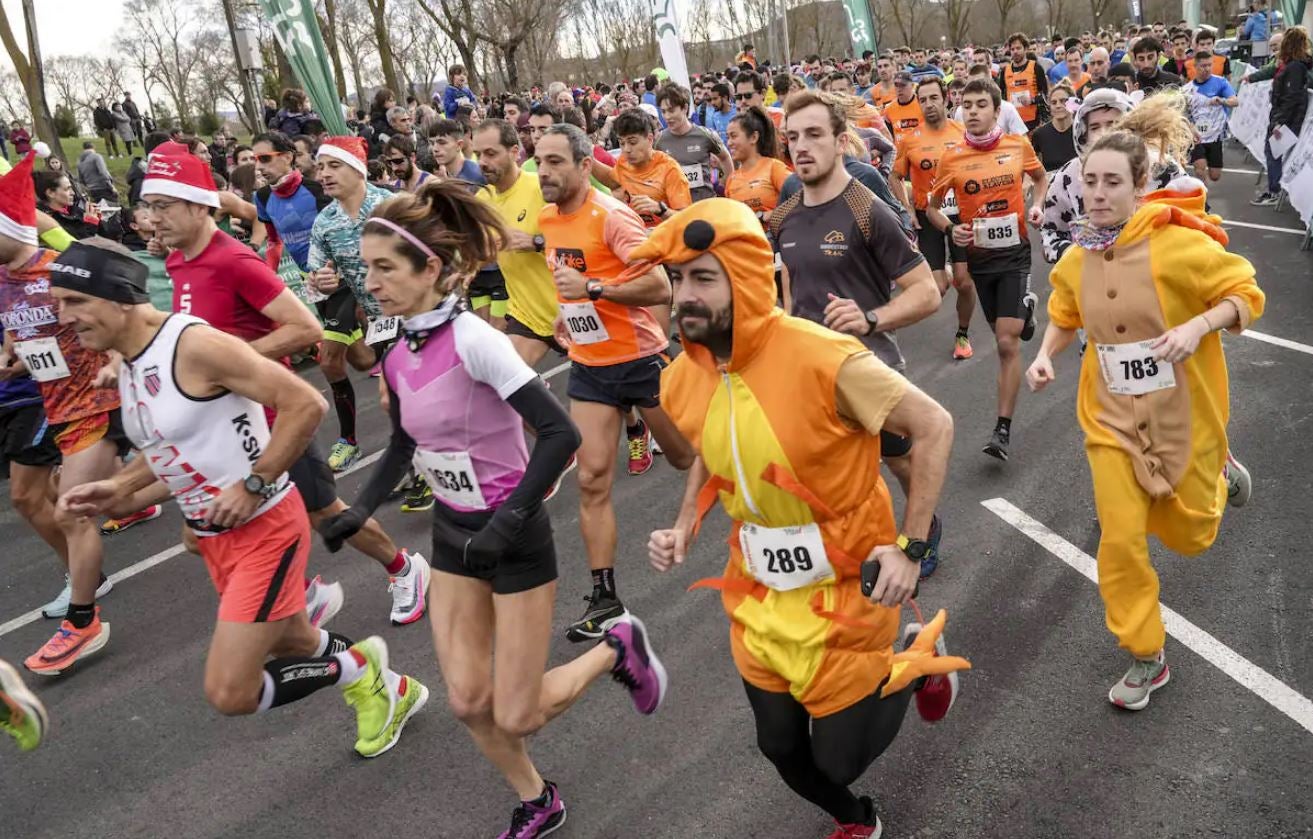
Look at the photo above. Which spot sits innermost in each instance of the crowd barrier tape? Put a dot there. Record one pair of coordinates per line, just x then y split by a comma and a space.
1249, 125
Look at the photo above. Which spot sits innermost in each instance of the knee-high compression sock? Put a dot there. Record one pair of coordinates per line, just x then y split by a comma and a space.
290, 679
344, 400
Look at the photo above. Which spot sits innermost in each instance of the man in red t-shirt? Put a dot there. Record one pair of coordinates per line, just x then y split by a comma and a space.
217, 278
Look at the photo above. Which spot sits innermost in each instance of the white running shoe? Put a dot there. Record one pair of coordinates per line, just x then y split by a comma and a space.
410, 591
323, 601
58, 608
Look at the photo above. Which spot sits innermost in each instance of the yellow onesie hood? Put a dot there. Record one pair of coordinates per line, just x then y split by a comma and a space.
731, 232
1182, 207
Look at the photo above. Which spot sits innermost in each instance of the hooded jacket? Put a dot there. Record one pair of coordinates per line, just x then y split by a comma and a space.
781, 453
1168, 265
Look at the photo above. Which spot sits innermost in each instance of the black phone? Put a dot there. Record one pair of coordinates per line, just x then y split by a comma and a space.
870, 574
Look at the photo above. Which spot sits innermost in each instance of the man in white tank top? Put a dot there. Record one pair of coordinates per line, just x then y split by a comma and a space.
194, 406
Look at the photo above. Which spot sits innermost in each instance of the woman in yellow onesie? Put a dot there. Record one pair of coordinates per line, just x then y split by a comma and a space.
794, 461
1151, 282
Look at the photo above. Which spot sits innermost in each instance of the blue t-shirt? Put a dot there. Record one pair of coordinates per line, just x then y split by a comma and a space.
719, 122
19, 391
1215, 86
470, 171
292, 217
1058, 71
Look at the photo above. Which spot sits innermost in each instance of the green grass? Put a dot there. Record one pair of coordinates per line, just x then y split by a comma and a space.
118, 167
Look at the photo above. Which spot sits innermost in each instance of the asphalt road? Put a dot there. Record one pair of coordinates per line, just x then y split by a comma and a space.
1032, 748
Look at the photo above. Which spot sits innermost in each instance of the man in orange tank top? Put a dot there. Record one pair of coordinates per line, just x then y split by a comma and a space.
617, 347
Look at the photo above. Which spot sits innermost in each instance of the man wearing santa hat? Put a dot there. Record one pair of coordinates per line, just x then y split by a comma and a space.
217, 278
337, 270
83, 415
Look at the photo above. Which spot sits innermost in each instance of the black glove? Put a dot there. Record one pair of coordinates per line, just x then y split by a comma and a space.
486, 547
341, 527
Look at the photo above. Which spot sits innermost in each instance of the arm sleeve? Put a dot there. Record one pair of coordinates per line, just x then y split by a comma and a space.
395, 462
601, 155
1030, 161
678, 195
901, 165
887, 244
1055, 228
57, 238
1064, 311
255, 282
489, 356
1228, 276
556, 440
866, 390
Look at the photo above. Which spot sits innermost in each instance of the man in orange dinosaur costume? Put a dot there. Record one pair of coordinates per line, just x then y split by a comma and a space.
795, 463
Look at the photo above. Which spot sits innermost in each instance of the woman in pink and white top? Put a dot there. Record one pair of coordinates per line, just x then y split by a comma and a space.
460, 398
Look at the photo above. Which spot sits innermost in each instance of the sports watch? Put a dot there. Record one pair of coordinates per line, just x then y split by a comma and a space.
872, 321
594, 288
915, 549
256, 485
539, 242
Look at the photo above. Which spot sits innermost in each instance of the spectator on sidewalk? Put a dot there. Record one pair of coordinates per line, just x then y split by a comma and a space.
123, 127
21, 139
104, 122
1289, 104
1256, 29
134, 117
95, 176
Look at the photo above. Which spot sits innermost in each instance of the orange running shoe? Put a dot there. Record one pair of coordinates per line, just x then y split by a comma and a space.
68, 645
962, 348
112, 526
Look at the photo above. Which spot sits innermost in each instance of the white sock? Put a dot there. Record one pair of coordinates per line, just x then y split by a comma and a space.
266, 693
351, 669
323, 643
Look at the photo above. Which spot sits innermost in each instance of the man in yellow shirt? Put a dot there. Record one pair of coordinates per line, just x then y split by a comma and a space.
516, 195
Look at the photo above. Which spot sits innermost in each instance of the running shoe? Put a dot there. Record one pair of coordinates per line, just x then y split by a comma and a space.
69, 644
384, 701
640, 450
530, 820
420, 497
602, 613
1030, 300
22, 716
1239, 486
404, 486
1265, 199
410, 591
936, 694
930, 561
58, 607
962, 348
656, 447
637, 666
1144, 677
867, 828
112, 526
343, 455
556, 487
998, 443
322, 601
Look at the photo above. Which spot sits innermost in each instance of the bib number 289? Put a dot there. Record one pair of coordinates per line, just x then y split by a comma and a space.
787, 560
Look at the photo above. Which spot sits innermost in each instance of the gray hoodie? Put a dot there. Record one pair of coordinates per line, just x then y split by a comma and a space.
93, 172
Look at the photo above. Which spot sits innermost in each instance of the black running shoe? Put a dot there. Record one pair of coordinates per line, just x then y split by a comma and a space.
998, 444
1030, 301
602, 613
930, 561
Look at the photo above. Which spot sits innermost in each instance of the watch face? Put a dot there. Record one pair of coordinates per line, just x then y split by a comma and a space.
916, 549
254, 484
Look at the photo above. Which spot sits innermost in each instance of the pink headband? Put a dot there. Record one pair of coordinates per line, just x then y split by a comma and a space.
405, 234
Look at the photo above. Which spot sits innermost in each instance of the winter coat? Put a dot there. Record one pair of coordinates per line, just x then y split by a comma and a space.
1290, 95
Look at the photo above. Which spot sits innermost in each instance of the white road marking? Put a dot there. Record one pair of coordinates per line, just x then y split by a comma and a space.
1230, 223
169, 553
1279, 342
1241, 171
1262, 684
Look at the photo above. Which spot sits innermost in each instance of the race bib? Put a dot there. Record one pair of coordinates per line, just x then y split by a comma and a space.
45, 361
382, 330
451, 477
1130, 369
1021, 99
584, 323
694, 176
785, 558
996, 232
948, 204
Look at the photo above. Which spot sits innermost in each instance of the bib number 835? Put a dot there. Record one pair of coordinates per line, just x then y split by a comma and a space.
1138, 369
994, 233
788, 560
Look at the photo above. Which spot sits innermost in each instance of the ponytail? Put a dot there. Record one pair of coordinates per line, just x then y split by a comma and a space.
457, 227
755, 120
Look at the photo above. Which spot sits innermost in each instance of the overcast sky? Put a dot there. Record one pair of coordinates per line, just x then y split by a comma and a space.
69, 27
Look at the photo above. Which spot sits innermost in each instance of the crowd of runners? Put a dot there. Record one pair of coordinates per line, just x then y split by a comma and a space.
726, 269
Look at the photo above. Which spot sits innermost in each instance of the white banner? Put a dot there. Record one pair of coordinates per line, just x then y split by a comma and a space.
1249, 126
666, 21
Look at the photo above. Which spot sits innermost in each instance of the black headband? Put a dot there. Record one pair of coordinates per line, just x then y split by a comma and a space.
100, 273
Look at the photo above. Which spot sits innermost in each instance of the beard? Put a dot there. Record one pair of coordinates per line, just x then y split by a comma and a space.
714, 329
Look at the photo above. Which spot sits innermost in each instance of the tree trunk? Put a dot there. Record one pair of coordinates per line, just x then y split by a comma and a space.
512, 67
334, 54
379, 8
30, 74
286, 78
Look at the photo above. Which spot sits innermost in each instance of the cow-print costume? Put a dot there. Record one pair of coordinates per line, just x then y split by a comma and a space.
1065, 202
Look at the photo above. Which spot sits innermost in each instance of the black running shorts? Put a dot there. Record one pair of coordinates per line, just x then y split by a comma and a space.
529, 563
1000, 293
26, 438
630, 384
937, 247
314, 479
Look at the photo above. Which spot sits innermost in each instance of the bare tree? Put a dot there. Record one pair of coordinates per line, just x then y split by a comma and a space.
1057, 14
31, 76
1099, 8
355, 36
1005, 9
507, 25
72, 79
910, 18
13, 99
957, 16
623, 29
334, 54
457, 20
698, 32
383, 40
166, 31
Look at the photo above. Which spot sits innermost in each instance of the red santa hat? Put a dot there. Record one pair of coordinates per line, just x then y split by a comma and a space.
183, 176
18, 202
349, 150
169, 147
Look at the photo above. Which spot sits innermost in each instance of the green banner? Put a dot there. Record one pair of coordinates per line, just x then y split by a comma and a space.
859, 26
297, 30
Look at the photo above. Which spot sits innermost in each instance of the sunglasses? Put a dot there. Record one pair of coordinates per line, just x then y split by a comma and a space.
266, 158
740, 97
396, 161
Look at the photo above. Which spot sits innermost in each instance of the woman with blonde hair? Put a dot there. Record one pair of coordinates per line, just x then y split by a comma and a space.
1151, 282
460, 398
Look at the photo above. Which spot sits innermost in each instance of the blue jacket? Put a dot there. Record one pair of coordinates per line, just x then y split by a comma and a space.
450, 97
1257, 26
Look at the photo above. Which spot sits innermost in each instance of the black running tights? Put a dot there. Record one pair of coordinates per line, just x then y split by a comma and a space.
820, 758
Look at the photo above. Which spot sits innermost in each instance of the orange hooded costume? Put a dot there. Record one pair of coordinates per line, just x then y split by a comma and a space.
1156, 457
786, 457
